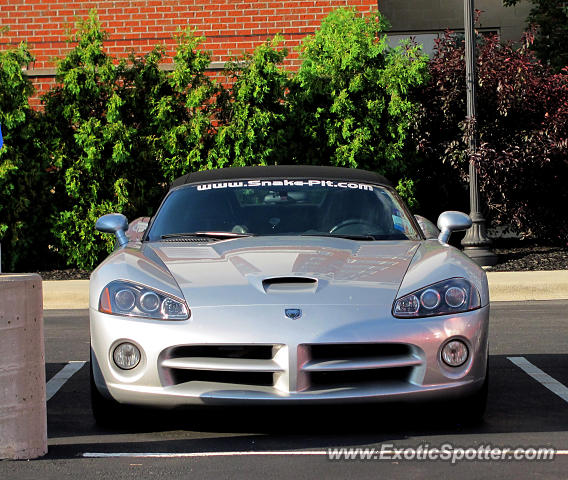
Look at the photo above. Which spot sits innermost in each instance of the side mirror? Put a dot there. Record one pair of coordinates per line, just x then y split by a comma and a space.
451, 221
114, 223
427, 227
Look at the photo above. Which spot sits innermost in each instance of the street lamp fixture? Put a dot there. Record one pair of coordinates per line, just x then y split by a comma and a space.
476, 243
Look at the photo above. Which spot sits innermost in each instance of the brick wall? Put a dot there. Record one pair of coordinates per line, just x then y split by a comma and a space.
230, 26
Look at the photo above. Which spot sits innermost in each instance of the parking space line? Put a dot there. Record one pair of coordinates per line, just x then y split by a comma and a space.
291, 453
203, 454
56, 382
543, 378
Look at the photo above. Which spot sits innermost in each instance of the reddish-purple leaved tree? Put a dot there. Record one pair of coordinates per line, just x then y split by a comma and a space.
522, 124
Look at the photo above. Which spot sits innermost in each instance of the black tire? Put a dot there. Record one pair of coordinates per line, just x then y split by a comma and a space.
107, 412
470, 410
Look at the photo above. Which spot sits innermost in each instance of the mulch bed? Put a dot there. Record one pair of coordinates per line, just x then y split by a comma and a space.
530, 258
68, 274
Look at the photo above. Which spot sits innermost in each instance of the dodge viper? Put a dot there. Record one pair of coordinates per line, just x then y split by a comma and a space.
286, 285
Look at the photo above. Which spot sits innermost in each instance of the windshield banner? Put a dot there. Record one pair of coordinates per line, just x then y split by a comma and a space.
285, 183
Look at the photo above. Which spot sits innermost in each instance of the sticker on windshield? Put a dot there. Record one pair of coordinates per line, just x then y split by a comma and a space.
285, 183
400, 224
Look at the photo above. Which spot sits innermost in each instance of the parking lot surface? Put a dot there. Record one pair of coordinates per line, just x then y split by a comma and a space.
528, 409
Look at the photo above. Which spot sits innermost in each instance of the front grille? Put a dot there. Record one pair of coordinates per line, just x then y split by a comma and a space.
333, 351
358, 377
320, 367
355, 364
257, 352
218, 376
253, 365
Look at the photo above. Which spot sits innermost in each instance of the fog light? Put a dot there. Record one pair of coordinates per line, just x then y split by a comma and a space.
455, 353
126, 356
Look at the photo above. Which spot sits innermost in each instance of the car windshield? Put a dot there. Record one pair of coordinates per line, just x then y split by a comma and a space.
283, 207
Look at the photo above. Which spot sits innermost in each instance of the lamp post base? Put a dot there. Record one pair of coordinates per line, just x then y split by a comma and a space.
481, 255
476, 243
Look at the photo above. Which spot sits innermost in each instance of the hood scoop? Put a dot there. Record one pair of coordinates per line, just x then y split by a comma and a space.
290, 285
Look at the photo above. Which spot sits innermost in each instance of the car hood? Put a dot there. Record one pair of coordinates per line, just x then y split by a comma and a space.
286, 270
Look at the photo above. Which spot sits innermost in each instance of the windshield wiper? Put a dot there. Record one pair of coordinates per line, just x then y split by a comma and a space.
338, 235
213, 235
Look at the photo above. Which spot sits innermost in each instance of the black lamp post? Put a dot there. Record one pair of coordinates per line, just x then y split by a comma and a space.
476, 243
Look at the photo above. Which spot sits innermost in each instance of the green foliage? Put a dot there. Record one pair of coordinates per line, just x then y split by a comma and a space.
182, 111
253, 114
90, 143
113, 134
551, 19
407, 190
352, 98
122, 131
24, 191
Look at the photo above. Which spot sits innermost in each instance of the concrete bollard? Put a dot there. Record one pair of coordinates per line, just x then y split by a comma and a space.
23, 417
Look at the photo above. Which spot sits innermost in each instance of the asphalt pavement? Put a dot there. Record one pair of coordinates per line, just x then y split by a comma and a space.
525, 410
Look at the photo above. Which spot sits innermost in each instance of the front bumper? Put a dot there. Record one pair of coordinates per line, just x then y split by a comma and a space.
255, 355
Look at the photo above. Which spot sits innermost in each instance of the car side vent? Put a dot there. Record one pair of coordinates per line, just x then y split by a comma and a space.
290, 285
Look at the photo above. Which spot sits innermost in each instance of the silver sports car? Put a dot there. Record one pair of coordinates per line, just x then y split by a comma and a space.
262, 285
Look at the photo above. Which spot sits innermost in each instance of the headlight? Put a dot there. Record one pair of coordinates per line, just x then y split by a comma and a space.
130, 299
443, 298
